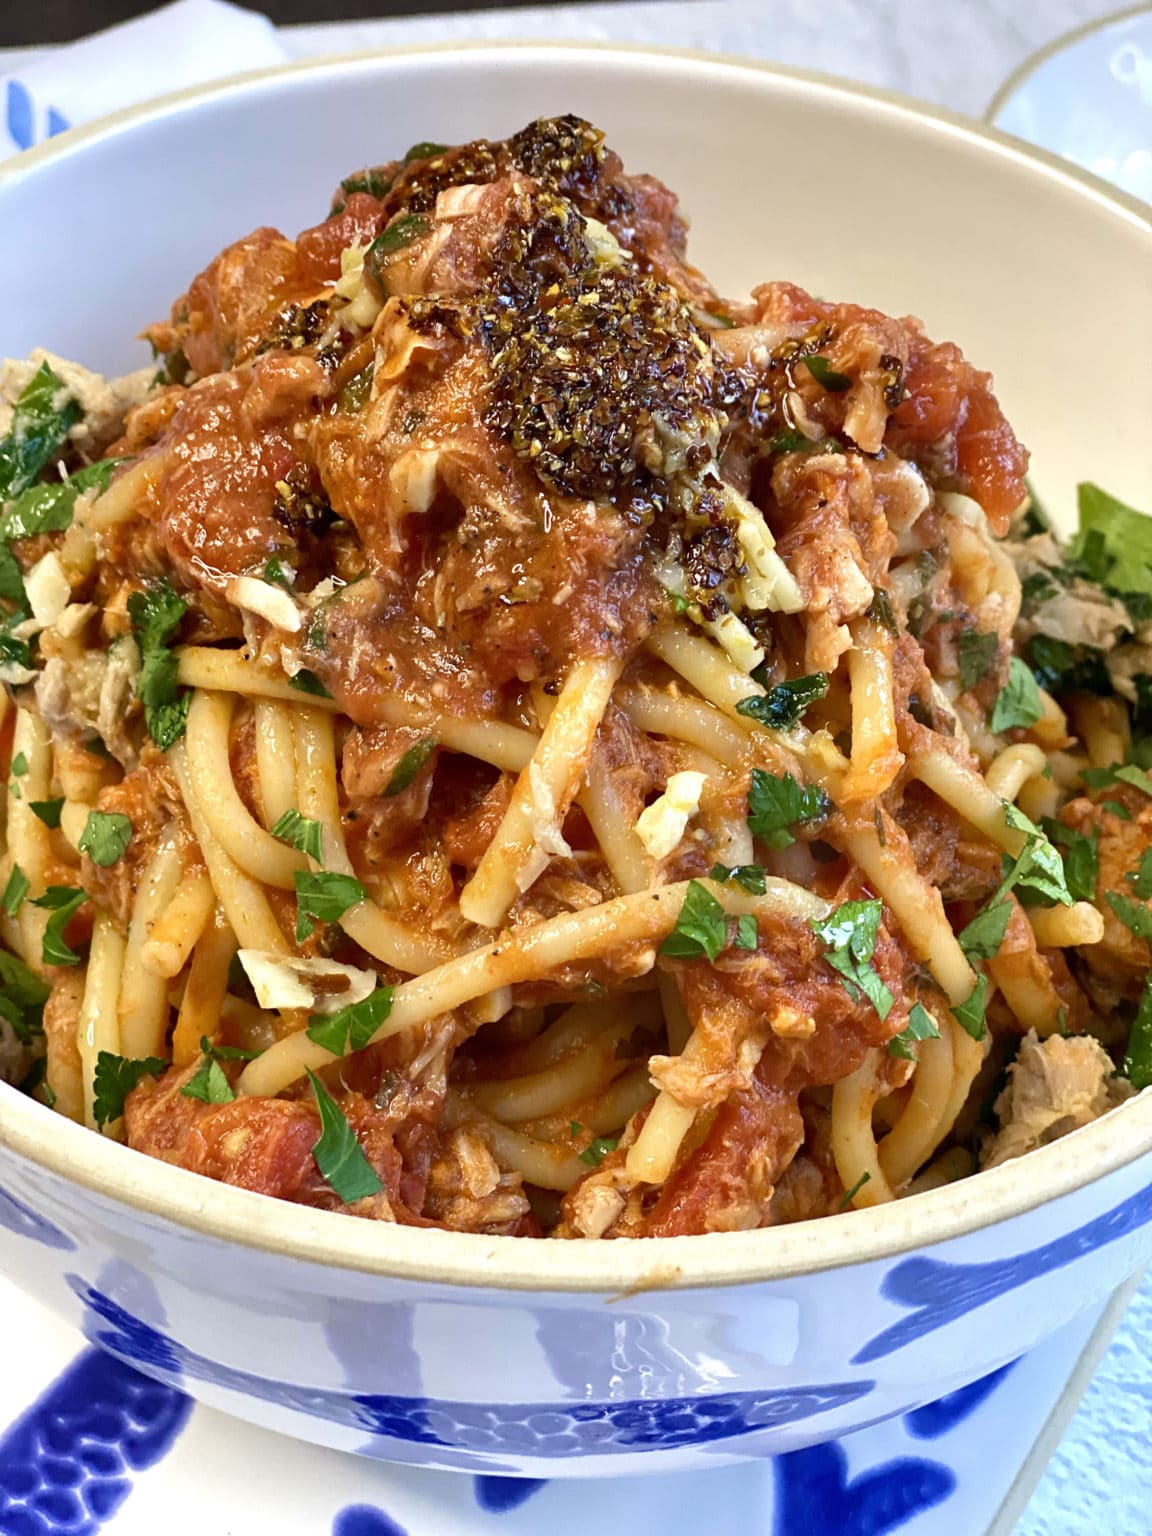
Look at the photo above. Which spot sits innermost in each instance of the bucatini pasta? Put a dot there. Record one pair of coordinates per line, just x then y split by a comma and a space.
498, 736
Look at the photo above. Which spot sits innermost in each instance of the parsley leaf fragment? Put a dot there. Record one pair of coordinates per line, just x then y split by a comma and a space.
156, 614
849, 934
42, 417
323, 897
597, 1150
105, 837
784, 703
63, 901
1018, 702
921, 1026
302, 833
114, 1079
1141, 879
701, 928
983, 936
1135, 916
339, 1156
1138, 1054
47, 811
970, 1013
209, 1084
352, 1028
776, 805
976, 655
14, 891
410, 765
749, 877
1081, 858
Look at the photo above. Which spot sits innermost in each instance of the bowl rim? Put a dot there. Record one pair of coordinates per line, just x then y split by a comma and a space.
118, 1175
1054, 46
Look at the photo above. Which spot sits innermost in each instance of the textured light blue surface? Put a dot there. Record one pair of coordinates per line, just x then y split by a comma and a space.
1098, 1478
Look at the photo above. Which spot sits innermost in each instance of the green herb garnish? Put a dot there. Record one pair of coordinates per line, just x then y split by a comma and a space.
14, 891
784, 703
47, 811
701, 928
776, 805
749, 877
63, 901
1018, 702
323, 896
976, 654
410, 765
114, 1079
921, 1026
302, 833
352, 1028
156, 614
339, 1156
849, 935
105, 837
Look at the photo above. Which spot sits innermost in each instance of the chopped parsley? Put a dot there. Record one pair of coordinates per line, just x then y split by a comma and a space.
63, 901
352, 1028
970, 1013
597, 1150
701, 928
1061, 667
302, 833
47, 811
22, 997
776, 805
749, 877
14, 891
976, 654
747, 934
782, 706
305, 681
1114, 544
209, 1083
1138, 1055
156, 614
19, 766
49, 508
827, 376
849, 935
1135, 916
1018, 702
921, 1026
850, 1194
1141, 879
280, 575
114, 1079
1118, 773
339, 1156
1081, 858
1038, 867
323, 897
42, 417
410, 765
983, 936
880, 610
105, 837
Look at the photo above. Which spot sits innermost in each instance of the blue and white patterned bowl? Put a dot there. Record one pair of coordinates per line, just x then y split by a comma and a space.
579, 1359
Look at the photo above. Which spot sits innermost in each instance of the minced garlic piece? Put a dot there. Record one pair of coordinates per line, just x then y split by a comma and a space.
661, 825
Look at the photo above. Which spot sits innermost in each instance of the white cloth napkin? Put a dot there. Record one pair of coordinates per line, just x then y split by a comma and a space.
179, 45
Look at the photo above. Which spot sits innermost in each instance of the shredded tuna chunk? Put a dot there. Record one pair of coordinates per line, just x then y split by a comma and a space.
1054, 1086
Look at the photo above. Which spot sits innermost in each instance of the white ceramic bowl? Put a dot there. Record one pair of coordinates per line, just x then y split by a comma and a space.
554, 1358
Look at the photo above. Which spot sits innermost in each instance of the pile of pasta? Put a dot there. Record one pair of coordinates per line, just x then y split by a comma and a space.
500, 737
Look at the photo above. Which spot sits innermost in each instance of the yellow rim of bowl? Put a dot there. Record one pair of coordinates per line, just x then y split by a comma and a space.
1034, 61
116, 1174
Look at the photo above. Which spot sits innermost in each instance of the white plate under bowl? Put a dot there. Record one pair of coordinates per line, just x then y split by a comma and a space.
1088, 98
